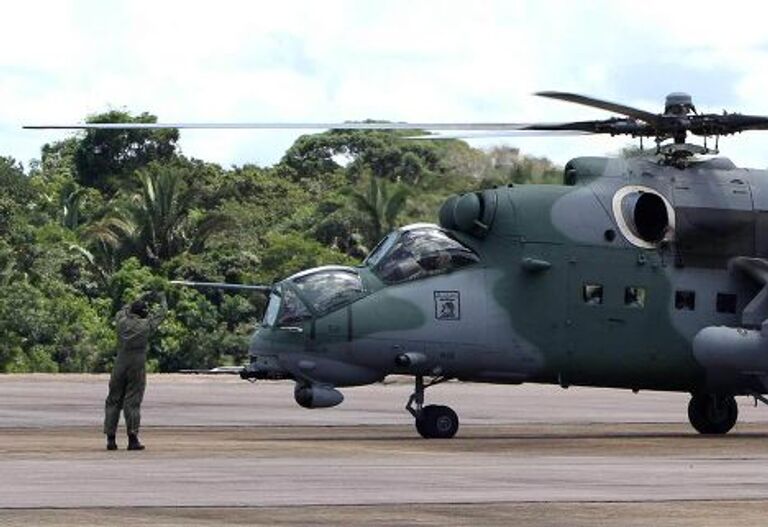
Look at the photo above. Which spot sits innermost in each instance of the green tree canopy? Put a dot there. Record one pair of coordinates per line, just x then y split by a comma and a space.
102, 157
386, 154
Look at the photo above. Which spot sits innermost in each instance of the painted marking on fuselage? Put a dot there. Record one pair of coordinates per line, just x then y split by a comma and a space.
447, 305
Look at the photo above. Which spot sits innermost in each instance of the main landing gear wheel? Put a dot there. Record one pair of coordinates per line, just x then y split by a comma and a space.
437, 422
712, 414
433, 421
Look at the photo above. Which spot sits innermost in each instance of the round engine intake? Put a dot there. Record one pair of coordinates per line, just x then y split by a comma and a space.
643, 215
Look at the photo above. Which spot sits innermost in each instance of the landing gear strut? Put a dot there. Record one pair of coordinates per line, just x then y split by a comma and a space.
712, 414
433, 421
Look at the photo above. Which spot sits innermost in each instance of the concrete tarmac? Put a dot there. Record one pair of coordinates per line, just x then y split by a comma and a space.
223, 451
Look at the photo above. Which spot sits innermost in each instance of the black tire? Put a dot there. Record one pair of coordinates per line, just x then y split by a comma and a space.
422, 428
437, 422
712, 414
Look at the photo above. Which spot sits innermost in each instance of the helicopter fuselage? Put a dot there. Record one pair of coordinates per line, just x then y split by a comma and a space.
606, 281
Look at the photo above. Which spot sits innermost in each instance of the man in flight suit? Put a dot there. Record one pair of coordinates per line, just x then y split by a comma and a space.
135, 326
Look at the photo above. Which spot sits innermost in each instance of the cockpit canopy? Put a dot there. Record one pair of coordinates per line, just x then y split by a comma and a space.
410, 253
416, 252
311, 293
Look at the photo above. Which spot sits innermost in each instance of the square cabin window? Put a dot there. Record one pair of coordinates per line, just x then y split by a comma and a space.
726, 303
592, 294
634, 297
685, 300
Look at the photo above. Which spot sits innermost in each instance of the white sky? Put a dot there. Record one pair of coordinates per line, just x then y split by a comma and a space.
398, 60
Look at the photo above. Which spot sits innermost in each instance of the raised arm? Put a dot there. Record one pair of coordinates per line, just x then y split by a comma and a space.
122, 315
156, 318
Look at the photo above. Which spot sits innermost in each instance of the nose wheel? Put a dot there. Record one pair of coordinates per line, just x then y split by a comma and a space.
432, 421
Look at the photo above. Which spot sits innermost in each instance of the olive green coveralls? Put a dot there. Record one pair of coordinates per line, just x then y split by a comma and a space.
129, 378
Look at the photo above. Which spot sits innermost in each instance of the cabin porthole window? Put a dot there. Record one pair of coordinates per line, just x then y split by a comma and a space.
634, 297
592, 294
726, 303
685, 300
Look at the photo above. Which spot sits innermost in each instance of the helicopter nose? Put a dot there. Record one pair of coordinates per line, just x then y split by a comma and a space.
259, 343
281, 342
265, 361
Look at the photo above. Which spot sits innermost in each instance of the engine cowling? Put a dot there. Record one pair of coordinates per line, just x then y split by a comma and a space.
471, 213
736, 350
733, 357
315, 396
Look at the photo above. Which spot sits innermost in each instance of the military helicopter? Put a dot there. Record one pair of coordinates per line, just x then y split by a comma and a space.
642, 273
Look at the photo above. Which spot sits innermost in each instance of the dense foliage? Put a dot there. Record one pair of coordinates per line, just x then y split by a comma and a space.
107, 214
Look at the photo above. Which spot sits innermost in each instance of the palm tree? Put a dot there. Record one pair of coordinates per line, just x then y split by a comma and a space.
382, 203
159, 212
103, 240
158, 223
70, 201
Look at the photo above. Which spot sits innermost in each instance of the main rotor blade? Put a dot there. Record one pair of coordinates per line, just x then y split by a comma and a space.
281, 126
731, 123
613, 126
220, 285
609, 126
500, 133
629, 111
753, 122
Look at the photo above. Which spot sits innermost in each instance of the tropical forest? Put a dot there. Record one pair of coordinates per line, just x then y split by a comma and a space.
107, 215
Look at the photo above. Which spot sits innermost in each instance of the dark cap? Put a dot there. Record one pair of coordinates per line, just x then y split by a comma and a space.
139, 308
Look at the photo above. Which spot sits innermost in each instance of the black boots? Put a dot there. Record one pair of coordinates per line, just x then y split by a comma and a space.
133, 442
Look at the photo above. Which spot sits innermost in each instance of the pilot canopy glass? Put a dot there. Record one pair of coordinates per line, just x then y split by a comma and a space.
418, 253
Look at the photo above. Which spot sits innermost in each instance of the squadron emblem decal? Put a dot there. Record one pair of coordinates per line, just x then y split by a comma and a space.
447, 305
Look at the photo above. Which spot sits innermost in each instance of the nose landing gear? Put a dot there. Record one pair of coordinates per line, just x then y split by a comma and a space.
432, 421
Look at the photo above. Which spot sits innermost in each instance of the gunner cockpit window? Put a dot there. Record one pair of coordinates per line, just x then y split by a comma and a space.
327, 289
419, 253
292, 311
273, 308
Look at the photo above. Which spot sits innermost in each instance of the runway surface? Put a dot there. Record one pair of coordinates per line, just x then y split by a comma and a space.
223, 451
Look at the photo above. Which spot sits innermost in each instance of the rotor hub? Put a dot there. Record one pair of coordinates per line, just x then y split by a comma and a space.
679, 103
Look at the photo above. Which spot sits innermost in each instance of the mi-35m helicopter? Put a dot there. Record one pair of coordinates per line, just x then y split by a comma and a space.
646, 273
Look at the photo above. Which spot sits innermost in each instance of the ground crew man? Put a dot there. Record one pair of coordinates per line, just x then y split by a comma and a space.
135, 326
